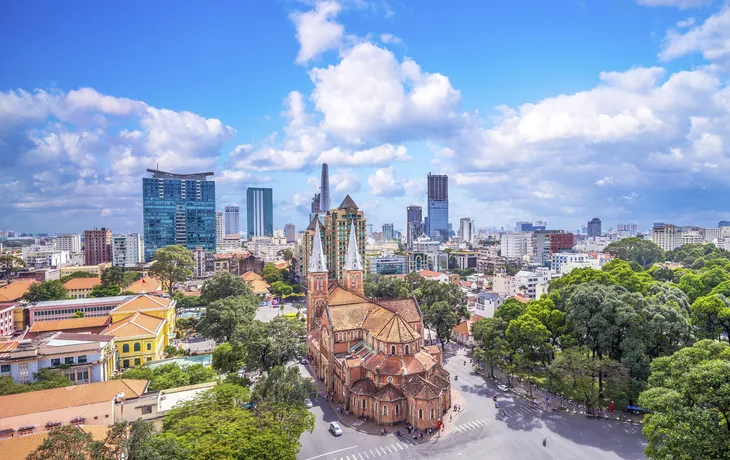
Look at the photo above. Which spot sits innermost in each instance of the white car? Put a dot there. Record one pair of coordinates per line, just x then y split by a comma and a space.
308, 403
503, 387
335, 429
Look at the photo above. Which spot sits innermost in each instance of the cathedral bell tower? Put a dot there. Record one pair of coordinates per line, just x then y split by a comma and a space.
353, 271
316, 282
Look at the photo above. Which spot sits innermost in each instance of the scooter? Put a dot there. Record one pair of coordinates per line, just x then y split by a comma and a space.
456, 377
544, 442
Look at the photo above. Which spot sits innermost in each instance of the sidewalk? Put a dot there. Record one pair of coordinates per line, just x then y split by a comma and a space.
449, 419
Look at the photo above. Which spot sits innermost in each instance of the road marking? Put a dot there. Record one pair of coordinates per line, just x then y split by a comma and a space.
361, 456
333, 452
389, 451
457, 429
371, 453
348, 457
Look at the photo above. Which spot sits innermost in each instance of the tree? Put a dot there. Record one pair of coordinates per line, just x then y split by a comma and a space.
171, 265
588, 375
228, 358
221, 286
271, 273
441, 317
44, 379
224, 316
272, 344
68, 442
510, 309
11, 261
386, 287
689, 404
50, 290
712, 315
284, 385
581, 276
105, 291
112, 276
287, 254
78, 314
70, 276
643, 252
692, 285
489, 333
170, 375
280, 289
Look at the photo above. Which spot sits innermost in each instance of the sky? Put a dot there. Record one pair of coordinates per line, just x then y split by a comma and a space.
557, 111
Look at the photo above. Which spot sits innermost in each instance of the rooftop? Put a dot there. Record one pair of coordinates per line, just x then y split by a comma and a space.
83, 302
157, 174
143, 302
146, 284
21, 446
135, 326
70, 324
15, 290
81, 283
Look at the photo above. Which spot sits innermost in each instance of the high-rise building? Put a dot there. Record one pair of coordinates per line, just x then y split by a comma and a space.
723, 223
260, 212
387, 232
545, 243
666, 236
97, 246
233, 220
594, 228
413, 214
219, 233
324, 190
290, 233
178, 209
515, 245
438, 207
467, 230
127, 250
530, 227
627, 229
70, 243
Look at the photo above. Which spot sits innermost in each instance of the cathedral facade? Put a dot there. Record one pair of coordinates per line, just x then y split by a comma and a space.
370, 353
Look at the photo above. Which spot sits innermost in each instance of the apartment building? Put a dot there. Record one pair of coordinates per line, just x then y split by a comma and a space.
515, 245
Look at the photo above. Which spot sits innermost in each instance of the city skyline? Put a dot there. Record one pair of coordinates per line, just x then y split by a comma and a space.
621, 112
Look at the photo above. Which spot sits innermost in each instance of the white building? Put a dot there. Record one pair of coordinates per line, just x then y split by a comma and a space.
233, 220
666, 236
515, 245
267, 248
467, 231
504, 285
560, 258
44, 256
127, 250
202, 263
487, 303
526, 283
70, 243
219, 229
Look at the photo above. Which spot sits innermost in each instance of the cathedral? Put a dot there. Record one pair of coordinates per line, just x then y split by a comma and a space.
370, 353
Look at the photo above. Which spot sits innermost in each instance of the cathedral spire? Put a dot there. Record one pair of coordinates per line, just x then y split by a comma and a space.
353, 261
317, 261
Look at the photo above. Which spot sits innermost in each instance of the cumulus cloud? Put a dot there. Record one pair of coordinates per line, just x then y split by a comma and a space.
711, 39
317, 30
385, 183
389, 39
382, 154
345, 181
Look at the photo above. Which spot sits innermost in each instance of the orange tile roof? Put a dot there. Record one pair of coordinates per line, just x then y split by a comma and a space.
522, 298
19, 447
70, 324
146, 284
396, 330
464, 327
190, 293
8, 346
341, 296
143, 302
429, 274
73, 396
259, 287
250, 276
137, 325
281, 264
81, 283
15, 290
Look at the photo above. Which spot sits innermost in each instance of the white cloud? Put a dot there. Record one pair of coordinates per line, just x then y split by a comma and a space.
607, 180
317, 31
345, 181
380, 155
681, 4
385, 183
711, 38
689, 22
389, 39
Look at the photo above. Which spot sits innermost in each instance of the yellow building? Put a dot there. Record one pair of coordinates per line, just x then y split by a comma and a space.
142, 327
80, 288
93, 269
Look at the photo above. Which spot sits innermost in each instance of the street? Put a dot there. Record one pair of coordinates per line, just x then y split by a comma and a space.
481, 430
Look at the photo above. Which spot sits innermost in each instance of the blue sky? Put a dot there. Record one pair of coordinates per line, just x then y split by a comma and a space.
557, 111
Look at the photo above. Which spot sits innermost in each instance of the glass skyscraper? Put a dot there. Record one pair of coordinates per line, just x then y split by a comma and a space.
438, 207
260, 212
178, 209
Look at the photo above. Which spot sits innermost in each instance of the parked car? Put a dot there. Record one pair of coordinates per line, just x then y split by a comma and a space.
335, 429
503, 387
308, 403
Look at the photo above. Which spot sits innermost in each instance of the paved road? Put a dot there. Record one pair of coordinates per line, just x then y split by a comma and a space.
266, 314
482, 431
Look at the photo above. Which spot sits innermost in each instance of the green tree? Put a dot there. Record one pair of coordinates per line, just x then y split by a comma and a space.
68, 442
511, 309
691, 284
105, 291
581, 276
386, 287
429, 292
492, 345
112, 276
223, 285
712, 278
50, 290
171, 265
271, 273
224, 316
442, 318
228, 357
66, 278
283, 385
643, 252
279, 288
170, 375
44, 379
11, 261
78, 314
689, 404
272, 344
287, 254
712, 315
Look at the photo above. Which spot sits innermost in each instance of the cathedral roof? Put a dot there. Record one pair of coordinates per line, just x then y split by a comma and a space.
352, 260
396, 330
389, 393
420, 388
363, 387
318, 261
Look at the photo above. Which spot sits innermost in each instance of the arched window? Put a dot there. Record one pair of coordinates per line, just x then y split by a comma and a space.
125, 348
385, 410
364, 405
420, 414
432, 413
408, 349
137, 346
392, 349
397, 410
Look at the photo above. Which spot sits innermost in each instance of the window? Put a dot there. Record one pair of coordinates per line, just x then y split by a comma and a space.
432, 414
4, 367
149, 346
137, 361
68, 360
364, 405
137, 346
408, 349
420, 414
146, 410
392, 349
125, 363
397, 410
149, 358
71, 377
385, 410
55, 361
82, 359
125, 348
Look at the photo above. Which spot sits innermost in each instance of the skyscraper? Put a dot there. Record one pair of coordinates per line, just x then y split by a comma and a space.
219, 233
97, 246
438, 207
413, 214
387, 232
290, 233
324, 190
467, 230
260, 212
315, 206
233, 220
127, 250
594, 228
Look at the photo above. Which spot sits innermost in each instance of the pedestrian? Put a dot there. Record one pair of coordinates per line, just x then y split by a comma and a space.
451, 417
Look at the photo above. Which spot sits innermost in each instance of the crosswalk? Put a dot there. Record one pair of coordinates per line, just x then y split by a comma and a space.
486, 421
382, 451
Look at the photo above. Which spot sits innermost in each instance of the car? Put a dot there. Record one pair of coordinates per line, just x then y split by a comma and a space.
503, 387
335, 429
308, 403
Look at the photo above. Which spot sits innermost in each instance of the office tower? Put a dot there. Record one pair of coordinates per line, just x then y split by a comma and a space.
545, 243
70, 243
467, 230
628, 229
127, 250
178, 209
523, 227
370, 229
387, 232
260, 212
438, 207
594, 228
324, 190
290, 233
666, 236
415, 229
233, 220
97, 246
219, 233
723, 223
515, 245
413, 214
314, 207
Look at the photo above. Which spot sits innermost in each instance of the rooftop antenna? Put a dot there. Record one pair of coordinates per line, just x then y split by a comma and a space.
158, 165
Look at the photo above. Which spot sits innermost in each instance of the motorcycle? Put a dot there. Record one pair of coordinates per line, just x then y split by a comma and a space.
544, 442
456, 377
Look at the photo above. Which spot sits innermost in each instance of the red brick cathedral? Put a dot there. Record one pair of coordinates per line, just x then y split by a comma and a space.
370, 353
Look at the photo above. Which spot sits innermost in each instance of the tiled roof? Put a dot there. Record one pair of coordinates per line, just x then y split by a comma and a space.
418, 388
73, 396
389, 393
137, 325
433, 349
70, 324
250, 276
396, 330
350, 316
15, 290
377, 318
522, 298
19, 447
259, 287
341, 296
406, 308
146, 284
315, 220
81, 283
281, 264
363, 387
464, 327
8, 346
143, 302
429, 274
